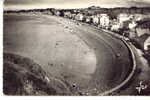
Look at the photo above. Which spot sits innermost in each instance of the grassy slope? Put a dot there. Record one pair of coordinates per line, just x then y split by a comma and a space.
23, 76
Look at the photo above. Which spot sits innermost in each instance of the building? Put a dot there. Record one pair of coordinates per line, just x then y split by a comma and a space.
143, 32
143, 27
104, 21
115, 27
57, 13
79, 17
95, 19
73, 16
132, 25
138, 17
67, 14
123, 17
147, 44
88, 19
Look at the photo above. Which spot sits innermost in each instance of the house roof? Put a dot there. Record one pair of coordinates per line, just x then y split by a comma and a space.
147, 40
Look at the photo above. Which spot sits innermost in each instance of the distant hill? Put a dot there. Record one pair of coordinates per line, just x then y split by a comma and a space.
94, 10
130, 10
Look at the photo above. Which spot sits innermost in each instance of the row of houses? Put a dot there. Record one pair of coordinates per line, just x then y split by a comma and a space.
123, 22
100, 20
130, 25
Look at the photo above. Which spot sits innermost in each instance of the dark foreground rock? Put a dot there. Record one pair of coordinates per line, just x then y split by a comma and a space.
22, 76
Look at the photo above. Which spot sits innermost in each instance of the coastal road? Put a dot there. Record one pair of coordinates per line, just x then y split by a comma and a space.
89, 61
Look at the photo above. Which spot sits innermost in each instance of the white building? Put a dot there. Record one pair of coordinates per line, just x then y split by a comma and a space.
132, 25
73, 16
79, 17
138, 17
147, 44
57, 13
88, 19
115, 27
123, 17
95, 20
104, 20
67, 14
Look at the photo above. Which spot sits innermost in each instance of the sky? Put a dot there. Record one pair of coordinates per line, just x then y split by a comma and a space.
69, 4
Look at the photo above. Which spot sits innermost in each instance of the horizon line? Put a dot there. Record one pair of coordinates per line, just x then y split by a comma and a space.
57, 8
